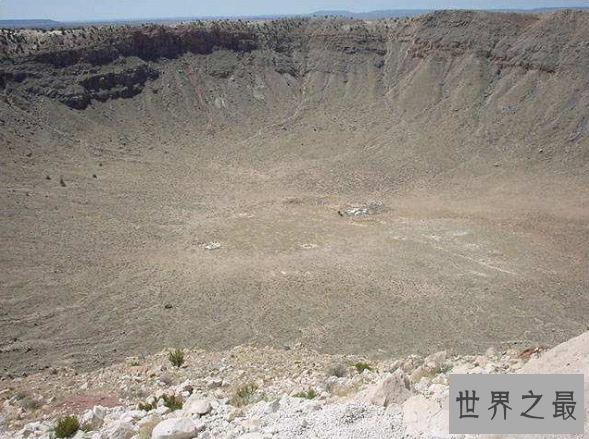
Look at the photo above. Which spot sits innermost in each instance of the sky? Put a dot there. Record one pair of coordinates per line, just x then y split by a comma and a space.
78, 10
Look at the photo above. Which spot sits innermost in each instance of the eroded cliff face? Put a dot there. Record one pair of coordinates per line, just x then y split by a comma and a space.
547, 43
500, 87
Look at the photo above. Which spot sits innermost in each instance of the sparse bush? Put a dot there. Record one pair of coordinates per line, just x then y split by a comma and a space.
86, 427
172, 402
29, 403
337, 370
421, 374
430, 373
244, 395
309, 394
66, 427
147, 406
444, 369
361, 367
176, 357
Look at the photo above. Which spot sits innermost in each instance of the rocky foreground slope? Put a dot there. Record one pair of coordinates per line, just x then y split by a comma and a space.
263, 393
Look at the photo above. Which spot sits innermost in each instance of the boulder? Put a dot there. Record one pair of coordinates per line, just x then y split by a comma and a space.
198, 407
394, 389
571, 357
167, 378
176, 428
436, 361
425, 417
119, 430
95, 416
214, 383
184, 387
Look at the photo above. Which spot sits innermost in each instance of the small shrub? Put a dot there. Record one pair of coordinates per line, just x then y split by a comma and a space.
176, 357
147, 406
172, 402
29, 403
361, 367
244, 395
309, 394
86, 427
337, 370
430, 373
443, 369
421, 374
66, 427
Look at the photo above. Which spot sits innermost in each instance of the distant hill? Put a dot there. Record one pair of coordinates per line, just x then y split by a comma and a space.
398, 13
386, 13
582, 8
389, 13
28, 23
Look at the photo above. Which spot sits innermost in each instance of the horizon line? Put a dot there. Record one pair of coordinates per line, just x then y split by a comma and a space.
334, 13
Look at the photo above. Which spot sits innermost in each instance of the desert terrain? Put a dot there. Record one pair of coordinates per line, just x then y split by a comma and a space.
194, 186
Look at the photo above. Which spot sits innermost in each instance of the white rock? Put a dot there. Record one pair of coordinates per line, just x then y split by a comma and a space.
32, 426
176, 428
252, 436
438, 391
394, 389
272, 406
436, 361
161, 411
570, 357
233, 414
422, 386
215, 383
118, 430
425, 417
490, 368
212, 246
95, 416
198, 407
150, 419
440, 379
394, 410
133, 415
481, 360
461, 369
185, 386
252, 423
